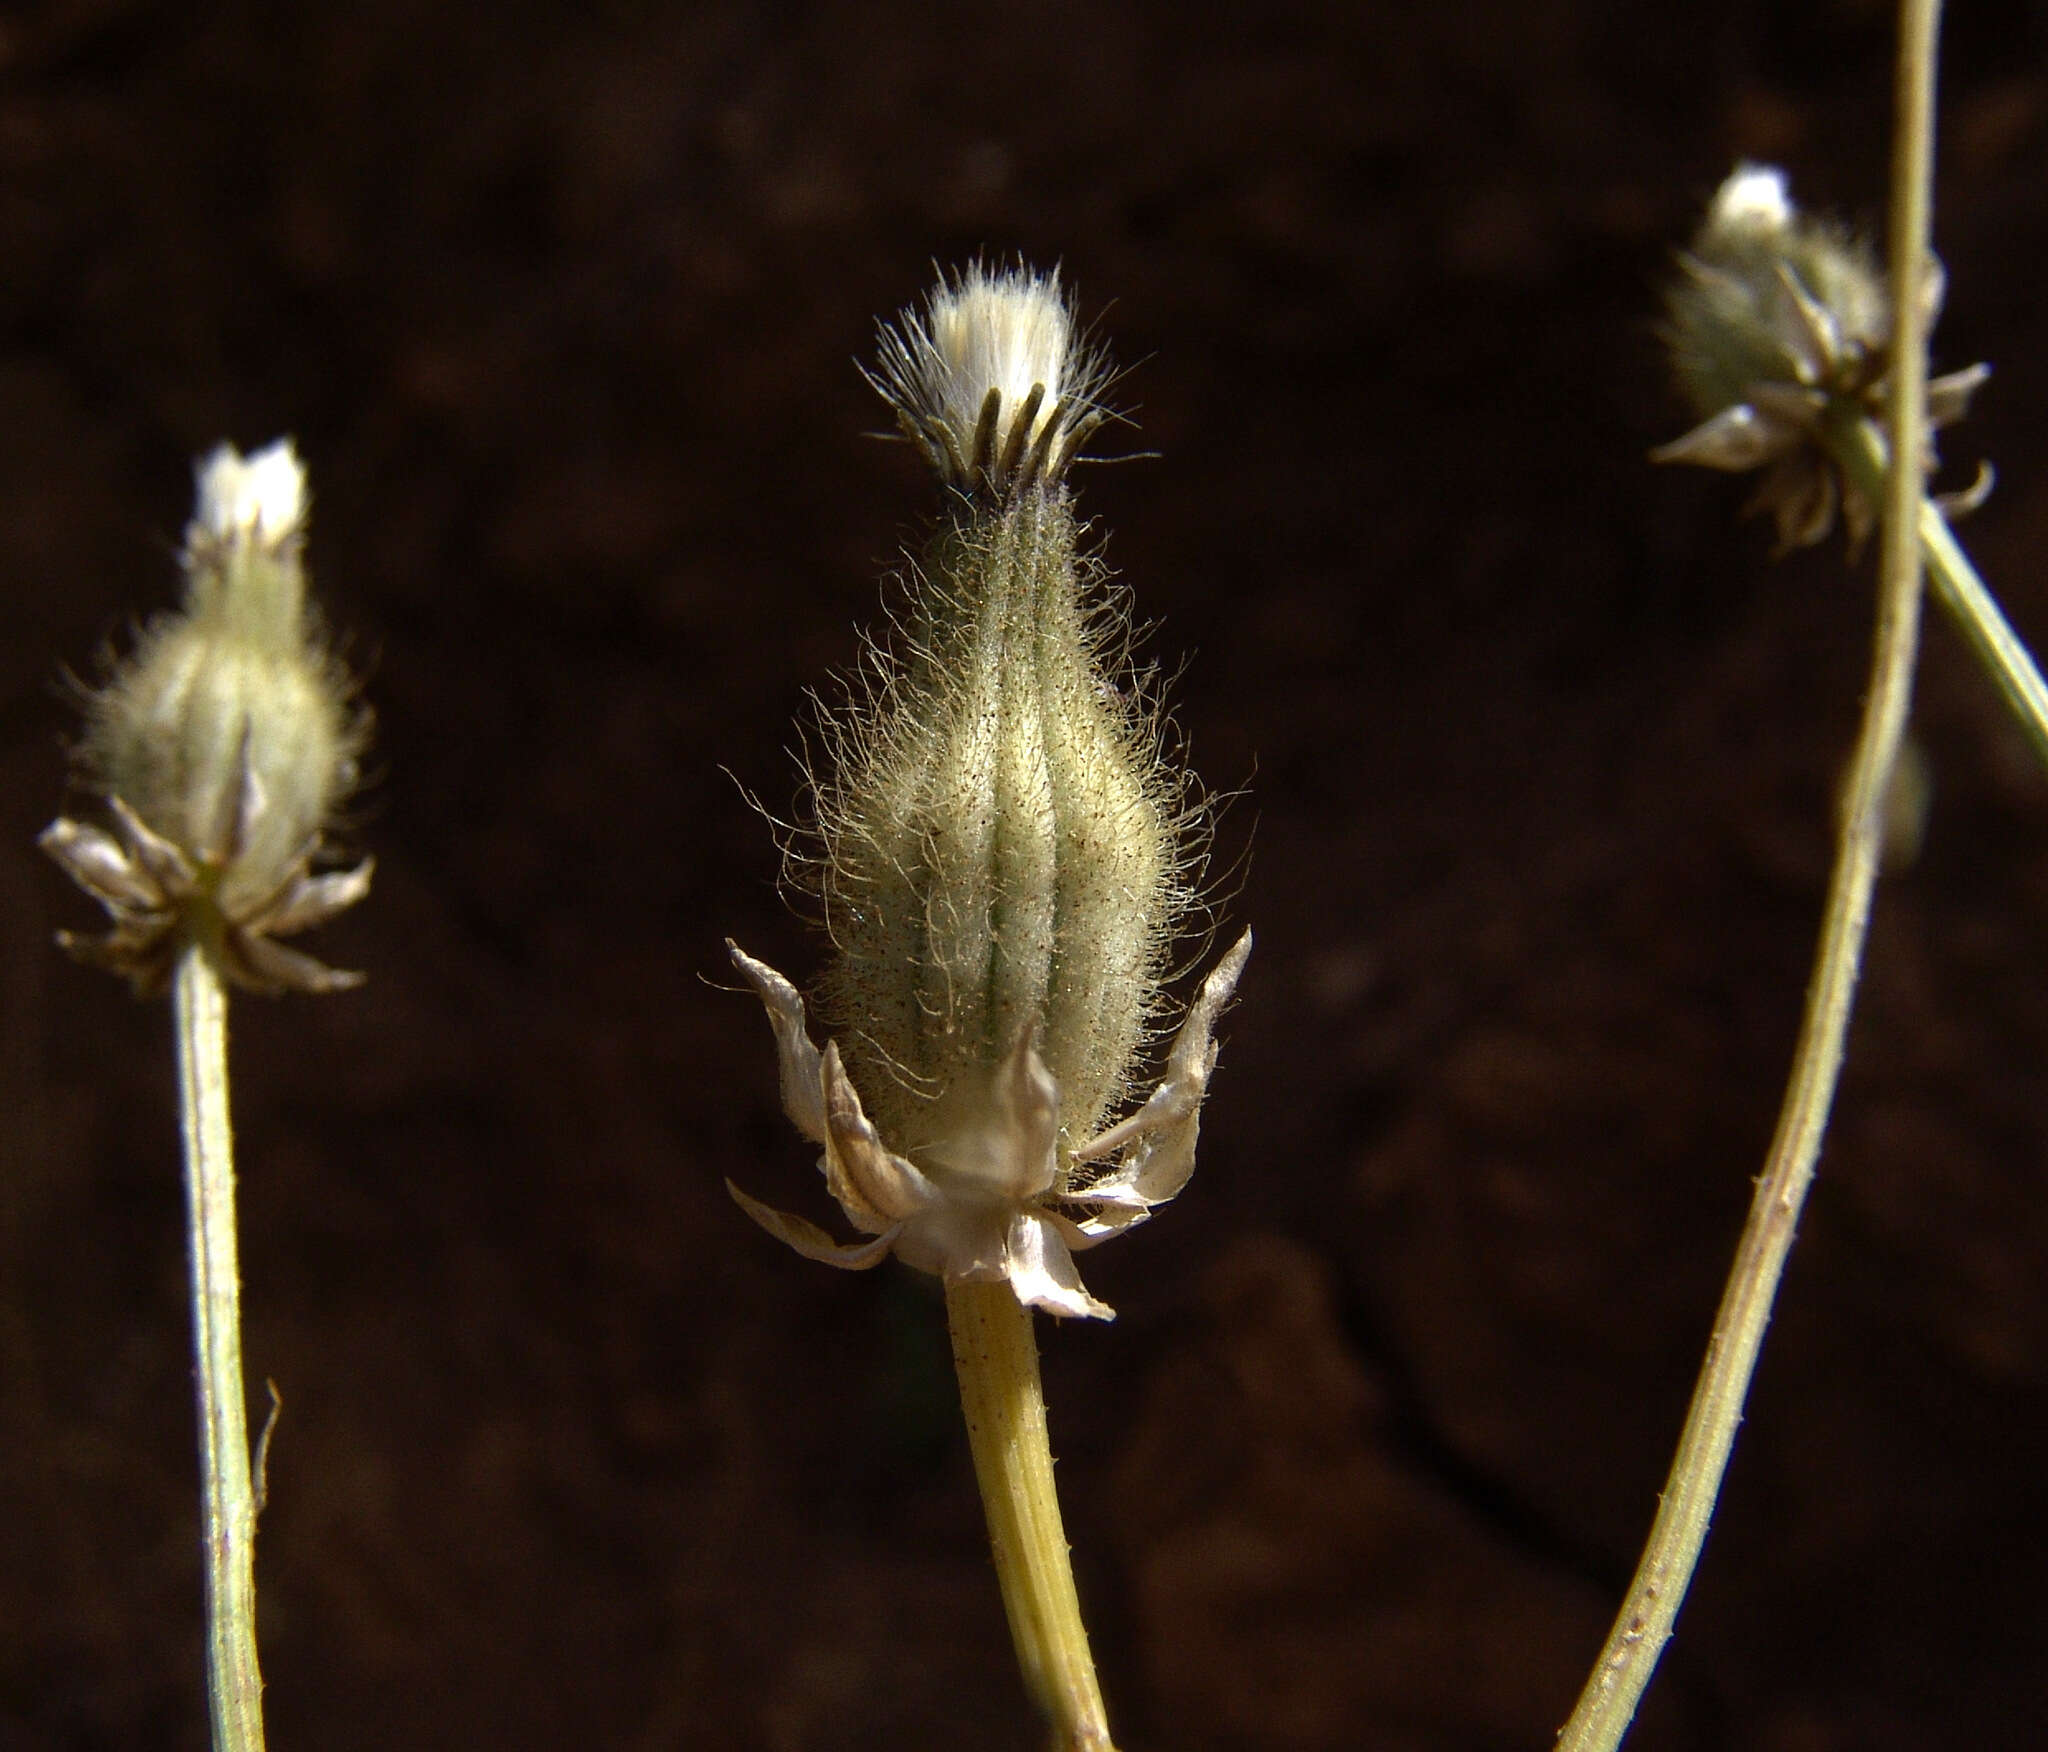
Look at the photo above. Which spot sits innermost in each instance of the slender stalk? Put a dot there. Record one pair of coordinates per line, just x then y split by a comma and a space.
996, 1355
234, 1685
1860, 449
1643, 1626
1976, 613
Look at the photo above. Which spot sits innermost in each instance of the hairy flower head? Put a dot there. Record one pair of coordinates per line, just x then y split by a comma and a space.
1002, 854
1777, 323
222, 748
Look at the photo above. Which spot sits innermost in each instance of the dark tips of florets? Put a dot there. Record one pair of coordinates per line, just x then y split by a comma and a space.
991, 383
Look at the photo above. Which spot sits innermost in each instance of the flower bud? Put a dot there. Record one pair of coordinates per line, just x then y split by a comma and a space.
222, 747
1002, 857
1780, 323
1768, 294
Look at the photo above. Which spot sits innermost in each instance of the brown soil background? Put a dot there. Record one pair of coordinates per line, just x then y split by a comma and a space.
1537, 746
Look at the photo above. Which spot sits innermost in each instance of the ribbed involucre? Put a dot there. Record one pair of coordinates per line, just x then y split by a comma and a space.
1000, 837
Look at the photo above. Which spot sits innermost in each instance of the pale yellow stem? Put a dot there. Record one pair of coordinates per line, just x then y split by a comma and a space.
234, 1685
1977, 614
1643, 1626
996, 1354
1860, 449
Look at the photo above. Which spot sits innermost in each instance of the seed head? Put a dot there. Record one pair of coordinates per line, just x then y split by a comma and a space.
221, 749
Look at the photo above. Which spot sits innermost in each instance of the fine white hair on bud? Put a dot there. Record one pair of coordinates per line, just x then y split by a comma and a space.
1004, 852
991, 381
222, 748
1777, 322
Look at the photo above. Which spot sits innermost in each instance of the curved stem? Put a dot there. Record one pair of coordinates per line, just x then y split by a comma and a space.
1643, 1626
234, 1684
996, 1355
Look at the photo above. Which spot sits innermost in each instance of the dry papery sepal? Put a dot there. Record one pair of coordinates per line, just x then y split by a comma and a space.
221, 750
1779, 327
1003, 854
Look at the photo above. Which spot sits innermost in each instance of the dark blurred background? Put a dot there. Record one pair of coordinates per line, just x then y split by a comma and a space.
1536, 749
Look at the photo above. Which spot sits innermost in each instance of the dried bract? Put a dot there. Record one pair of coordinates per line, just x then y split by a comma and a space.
1011, 1201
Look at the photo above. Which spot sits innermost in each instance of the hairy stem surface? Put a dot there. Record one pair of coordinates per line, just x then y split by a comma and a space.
996, 1354
1643, 1626
234, 1685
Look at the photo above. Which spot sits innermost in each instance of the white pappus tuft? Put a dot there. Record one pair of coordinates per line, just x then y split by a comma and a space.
1755, 198
261, 495
991, 381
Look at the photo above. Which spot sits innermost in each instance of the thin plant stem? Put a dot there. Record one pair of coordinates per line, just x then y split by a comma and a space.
1860, 449
1976, 613
996, 1354
1643, 1626
234, 1685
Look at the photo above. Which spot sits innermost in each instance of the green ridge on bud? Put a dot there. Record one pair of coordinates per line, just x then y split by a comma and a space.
222, 748
1000, 847
1003, 853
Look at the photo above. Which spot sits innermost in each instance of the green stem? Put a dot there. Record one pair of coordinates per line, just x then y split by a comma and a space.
1643, 1626
234, 1685
1860, 450
996, 1355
